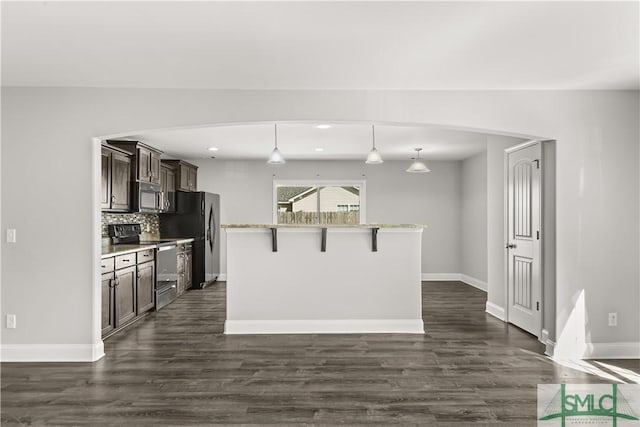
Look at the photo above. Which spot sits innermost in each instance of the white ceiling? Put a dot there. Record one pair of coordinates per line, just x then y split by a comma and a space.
300, 140
322, 45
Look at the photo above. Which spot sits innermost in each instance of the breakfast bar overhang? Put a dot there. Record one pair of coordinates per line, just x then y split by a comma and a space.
296, 279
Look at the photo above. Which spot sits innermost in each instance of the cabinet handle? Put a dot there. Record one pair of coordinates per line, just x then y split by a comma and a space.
125, 260
138, 275
113, 198
117, 282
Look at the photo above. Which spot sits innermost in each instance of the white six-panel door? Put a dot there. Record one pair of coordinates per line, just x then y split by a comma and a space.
523, 238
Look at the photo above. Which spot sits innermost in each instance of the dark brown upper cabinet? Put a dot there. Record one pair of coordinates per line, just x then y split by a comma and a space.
105, 195
116, 180
186, 175
168, 185
147, 160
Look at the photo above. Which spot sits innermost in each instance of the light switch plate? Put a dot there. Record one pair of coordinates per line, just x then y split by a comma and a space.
11, 321
11, 235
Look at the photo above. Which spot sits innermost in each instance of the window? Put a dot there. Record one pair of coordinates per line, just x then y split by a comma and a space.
326, 202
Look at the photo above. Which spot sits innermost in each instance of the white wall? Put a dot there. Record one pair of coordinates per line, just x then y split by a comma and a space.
392, 196
474, 218
598, 185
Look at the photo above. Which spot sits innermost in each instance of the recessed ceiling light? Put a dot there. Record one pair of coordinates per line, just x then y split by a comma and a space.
213, 148
319, 149
323, 126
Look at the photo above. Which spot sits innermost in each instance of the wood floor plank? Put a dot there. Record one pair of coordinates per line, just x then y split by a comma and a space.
177, 368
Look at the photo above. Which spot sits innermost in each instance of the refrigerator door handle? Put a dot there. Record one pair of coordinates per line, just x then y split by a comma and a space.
211, 231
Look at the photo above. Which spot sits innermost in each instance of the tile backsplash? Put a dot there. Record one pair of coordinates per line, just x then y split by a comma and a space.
150, 222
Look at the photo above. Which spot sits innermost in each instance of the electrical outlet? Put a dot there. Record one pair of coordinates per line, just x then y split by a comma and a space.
11, 235
613, 319
11, 321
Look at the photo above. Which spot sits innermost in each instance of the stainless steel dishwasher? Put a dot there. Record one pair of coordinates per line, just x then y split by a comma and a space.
167, 274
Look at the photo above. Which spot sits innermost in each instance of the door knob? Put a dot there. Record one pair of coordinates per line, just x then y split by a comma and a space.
510, 246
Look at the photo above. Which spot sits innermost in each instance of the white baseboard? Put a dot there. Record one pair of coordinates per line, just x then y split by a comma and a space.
52, 352
549, 344
550, 348
476, 283
455, 277
346, 326
612, 350
222, 277
440, 277
495, 310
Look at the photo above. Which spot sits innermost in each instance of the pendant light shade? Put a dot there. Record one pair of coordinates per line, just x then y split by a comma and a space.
418, 166
374, 157
276, 157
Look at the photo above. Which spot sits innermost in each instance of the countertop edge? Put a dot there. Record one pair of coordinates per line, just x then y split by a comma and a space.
318, 226
129, 249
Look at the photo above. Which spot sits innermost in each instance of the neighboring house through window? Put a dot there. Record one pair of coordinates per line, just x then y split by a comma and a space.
318, 202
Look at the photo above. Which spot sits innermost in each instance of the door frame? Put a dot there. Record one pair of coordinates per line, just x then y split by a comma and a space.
538, 248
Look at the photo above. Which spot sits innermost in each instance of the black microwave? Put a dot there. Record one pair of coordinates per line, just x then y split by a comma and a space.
147, 197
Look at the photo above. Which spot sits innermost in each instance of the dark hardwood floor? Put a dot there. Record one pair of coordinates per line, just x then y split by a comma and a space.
177, 368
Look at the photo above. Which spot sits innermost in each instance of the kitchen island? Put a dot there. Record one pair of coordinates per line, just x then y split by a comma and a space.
294, 279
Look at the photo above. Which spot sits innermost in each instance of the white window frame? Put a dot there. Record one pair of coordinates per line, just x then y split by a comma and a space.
320, 183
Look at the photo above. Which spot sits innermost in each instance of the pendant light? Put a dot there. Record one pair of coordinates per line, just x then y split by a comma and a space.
374, 157
417, 166
276, 157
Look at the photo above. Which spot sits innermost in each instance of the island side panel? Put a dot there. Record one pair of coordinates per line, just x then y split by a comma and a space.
300, 289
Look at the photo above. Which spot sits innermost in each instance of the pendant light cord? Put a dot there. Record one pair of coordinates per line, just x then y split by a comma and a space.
275, 128
373, 131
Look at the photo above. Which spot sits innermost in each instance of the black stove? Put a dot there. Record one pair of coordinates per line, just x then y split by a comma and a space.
124, 234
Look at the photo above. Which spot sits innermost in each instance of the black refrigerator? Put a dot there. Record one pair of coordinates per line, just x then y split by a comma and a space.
197, 215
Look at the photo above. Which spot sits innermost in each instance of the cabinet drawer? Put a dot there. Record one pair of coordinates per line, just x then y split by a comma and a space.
107, 265
123, 261
144, 256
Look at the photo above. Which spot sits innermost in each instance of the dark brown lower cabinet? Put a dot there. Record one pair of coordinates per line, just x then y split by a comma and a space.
108, 321
188, 267
181, 270
145, 288
125, 295
129, 291
185, 267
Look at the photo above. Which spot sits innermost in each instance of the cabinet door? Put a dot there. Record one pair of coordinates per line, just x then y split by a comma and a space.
193, 179
144, 165
183, 174
145, 288
163, 188
108, 323
154, 167
120, 182
188, 268
181, 272
125, 295
170, 194
105, 195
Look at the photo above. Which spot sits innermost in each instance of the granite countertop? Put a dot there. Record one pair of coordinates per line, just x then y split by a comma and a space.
323, 226
109, 250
